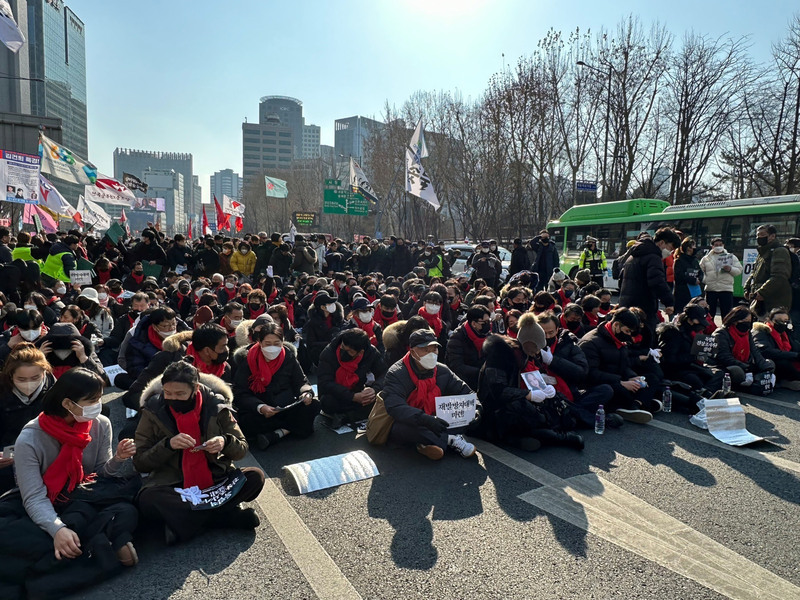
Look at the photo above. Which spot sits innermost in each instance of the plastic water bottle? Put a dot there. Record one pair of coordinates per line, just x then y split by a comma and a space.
600, 421
666, 400
726, 384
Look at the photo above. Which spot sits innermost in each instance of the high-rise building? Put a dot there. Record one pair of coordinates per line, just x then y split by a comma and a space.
290, 113
197, 196
266, 147
311, 139
169, 184
136, 162
225, 183
349, 135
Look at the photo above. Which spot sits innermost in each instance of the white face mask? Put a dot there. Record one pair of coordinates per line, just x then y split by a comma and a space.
718, 249
331, 308
236, 323
229, 285
432, 309
29, 388
166, 334
427, 252
30, 334
428, 361
62, 354
365, 317
88, 413
665, 253
61, 291
102, 296
243, 251
30, 307
271, 352
485, 250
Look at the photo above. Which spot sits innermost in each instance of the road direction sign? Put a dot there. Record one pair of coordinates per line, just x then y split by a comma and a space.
344, 202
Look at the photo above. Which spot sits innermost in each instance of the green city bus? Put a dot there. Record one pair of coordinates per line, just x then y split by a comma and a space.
615, 223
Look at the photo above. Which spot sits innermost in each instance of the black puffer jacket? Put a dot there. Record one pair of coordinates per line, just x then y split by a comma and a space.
569, 362
317, 333
723, 354
371, 362
644, 279
607, 363
675, 344
768, 347
14, 414
463, 357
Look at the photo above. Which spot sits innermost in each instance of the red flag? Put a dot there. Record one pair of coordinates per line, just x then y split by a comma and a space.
239, 224
223, 220
206, 228
189, 229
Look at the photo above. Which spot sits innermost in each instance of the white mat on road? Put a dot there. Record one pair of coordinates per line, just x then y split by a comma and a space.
332, 471
726, 422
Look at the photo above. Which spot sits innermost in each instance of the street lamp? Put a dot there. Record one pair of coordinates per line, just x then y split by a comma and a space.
580, 63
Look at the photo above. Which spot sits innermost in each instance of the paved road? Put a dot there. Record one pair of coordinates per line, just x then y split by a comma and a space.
648, 511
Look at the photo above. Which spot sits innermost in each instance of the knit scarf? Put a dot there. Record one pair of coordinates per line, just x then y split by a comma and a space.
231, 294
217, 370
781, 339
476, 340
435, 321
137, 278
104, 276
369, 328
254, 314
610, 331
290, 312
67, 468
564, 299
273, 294
155, 338
455, 305
425, 390
193, 464
261, 370
384, 321
346, 373
592, 319
741, 344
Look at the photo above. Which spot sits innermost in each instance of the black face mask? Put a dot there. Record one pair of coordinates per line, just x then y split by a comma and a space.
371, 291
387, 314
699, 327
762, 241
484, 329
551, 341
624, 337
605, 306
573, 325
221, 357
253, 306
780, 327
345, 356
744, 327
520, 306
182, 406
568, 293
291, 298
464, 287
545, 241
138, 273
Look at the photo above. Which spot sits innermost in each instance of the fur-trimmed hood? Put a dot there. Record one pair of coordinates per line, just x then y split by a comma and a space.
240, 353
391, 335
176, 341
215, 384
759, 326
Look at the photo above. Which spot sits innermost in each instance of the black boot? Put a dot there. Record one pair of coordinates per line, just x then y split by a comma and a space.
549, 437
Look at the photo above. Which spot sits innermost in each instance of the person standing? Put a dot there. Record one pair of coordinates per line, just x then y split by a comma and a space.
546, 257
519, 258
688, 274
719, 267
769, 286
594, 259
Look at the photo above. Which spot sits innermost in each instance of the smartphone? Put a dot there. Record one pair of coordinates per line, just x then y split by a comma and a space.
199, 447
8, 452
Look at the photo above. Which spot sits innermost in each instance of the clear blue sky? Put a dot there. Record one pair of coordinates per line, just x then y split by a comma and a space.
181, 75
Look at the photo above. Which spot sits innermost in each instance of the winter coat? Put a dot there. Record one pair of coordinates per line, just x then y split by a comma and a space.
244, 263
400, 260
394, 349
569, 362
715, 279
371, 362
770, 277
519, 261
463, 358
687, 272
288, 383
207, 261
281, 264
305, 259
487, 267
177, 255
723, 354
546, 258
157, 427
769, 348
139, 351
149, 252
316, 332
607, 363
644, 280
675, 343
14, 413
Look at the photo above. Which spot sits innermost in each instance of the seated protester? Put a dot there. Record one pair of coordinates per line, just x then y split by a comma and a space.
465, 346
325, 320
134, 280
65, 348
775, 342
386, 312
189, 437
711, 326
590, 288
227, 293
516, 299
244, 294
564, 361
566, 293
181, 300
56, 457
361, 317
36, 301
245, 338
280, 315
609, 363
675, 341
289, 300
53, 300
25, 379
89, 302
270, 289
736, 352
431, 311
544, 301
371, 290
395, 338
478, 287
556, 279
148, 338
409, 394
511, 321
256, 304
644, 354
123, 324
605, 303
513, 414
271, 393
24, 326
73, 314
350, 374
115, 291
591, 312
571, 319
232, 317
209, 300
415, 293
457, 307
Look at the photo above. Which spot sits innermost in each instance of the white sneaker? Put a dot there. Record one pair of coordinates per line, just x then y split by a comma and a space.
460, 445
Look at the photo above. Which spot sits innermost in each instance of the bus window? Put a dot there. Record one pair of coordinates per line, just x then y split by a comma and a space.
785, 224
707, 230
576, 236
736, 234
608, 237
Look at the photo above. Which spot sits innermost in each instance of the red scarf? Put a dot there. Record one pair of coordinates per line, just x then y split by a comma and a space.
290, 312
60, 370
193, 464
512, 334
104, 276
455, 305
610, 331
741, 344
273, 294
217, 370
261, 370
382, 320
564, 299
254, 314
562, 387
231, 293
592, 319
370, 329
132, 320
637, 339
425, 390
371, 298
712, 327
137, 278
114, 296
67, 468
346, 373
476, 340
781, 339
154, 337
435, 321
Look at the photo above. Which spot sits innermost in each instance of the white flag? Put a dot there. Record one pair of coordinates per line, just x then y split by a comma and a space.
10, 33
52, 200
417, 181
360, 183
93, 214
62, 163
417, 144
232, 207
108, 190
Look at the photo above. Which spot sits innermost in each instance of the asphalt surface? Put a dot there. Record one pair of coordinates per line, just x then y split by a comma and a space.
459, 529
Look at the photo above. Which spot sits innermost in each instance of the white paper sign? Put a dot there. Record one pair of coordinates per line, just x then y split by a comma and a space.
80, 277
112, 372
726, 422
748, 262
459, 411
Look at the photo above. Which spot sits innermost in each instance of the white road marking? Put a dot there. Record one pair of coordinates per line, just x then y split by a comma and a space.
317, 566
606, 510
750, 398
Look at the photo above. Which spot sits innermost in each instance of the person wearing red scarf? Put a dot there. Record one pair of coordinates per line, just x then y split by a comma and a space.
209, 351
431, 311
133, 281
271, 392
188, 437
363, 318
777, 343
465, 346
386, 312
410, 391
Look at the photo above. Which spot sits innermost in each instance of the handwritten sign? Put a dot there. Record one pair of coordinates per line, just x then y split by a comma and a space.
80, 277
112, 371
703, 347
459, 411
214, 496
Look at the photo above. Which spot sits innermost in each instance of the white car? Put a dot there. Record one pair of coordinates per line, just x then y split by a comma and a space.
461, 265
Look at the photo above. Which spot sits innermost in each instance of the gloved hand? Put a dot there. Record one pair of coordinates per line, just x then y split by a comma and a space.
773, 379
656, 354
549, 391
547, 356
435, 424
748, 379
537, 396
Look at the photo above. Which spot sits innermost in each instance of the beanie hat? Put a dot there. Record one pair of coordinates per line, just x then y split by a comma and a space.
558, 275
528, 330
583, 276
203, 315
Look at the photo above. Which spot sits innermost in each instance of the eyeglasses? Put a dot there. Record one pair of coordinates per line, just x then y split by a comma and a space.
781, 322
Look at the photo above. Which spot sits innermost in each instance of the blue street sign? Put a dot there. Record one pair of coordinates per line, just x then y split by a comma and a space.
586, 186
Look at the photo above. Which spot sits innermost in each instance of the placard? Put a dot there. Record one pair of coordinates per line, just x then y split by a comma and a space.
458, 411
152, 270
80, 277
214, 496
112, 372
703, 347
19, 175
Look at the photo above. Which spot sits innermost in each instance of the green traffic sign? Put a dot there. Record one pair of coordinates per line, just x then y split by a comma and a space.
344, 202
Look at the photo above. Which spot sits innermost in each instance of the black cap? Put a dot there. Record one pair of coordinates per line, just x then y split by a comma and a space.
422, 338
361, 304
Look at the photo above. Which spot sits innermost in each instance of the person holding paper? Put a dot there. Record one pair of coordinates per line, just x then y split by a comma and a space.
736, 352
409, 393
777, 342
688, 274
720, 268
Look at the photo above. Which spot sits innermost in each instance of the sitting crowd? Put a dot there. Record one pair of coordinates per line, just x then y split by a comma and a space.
213, 349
